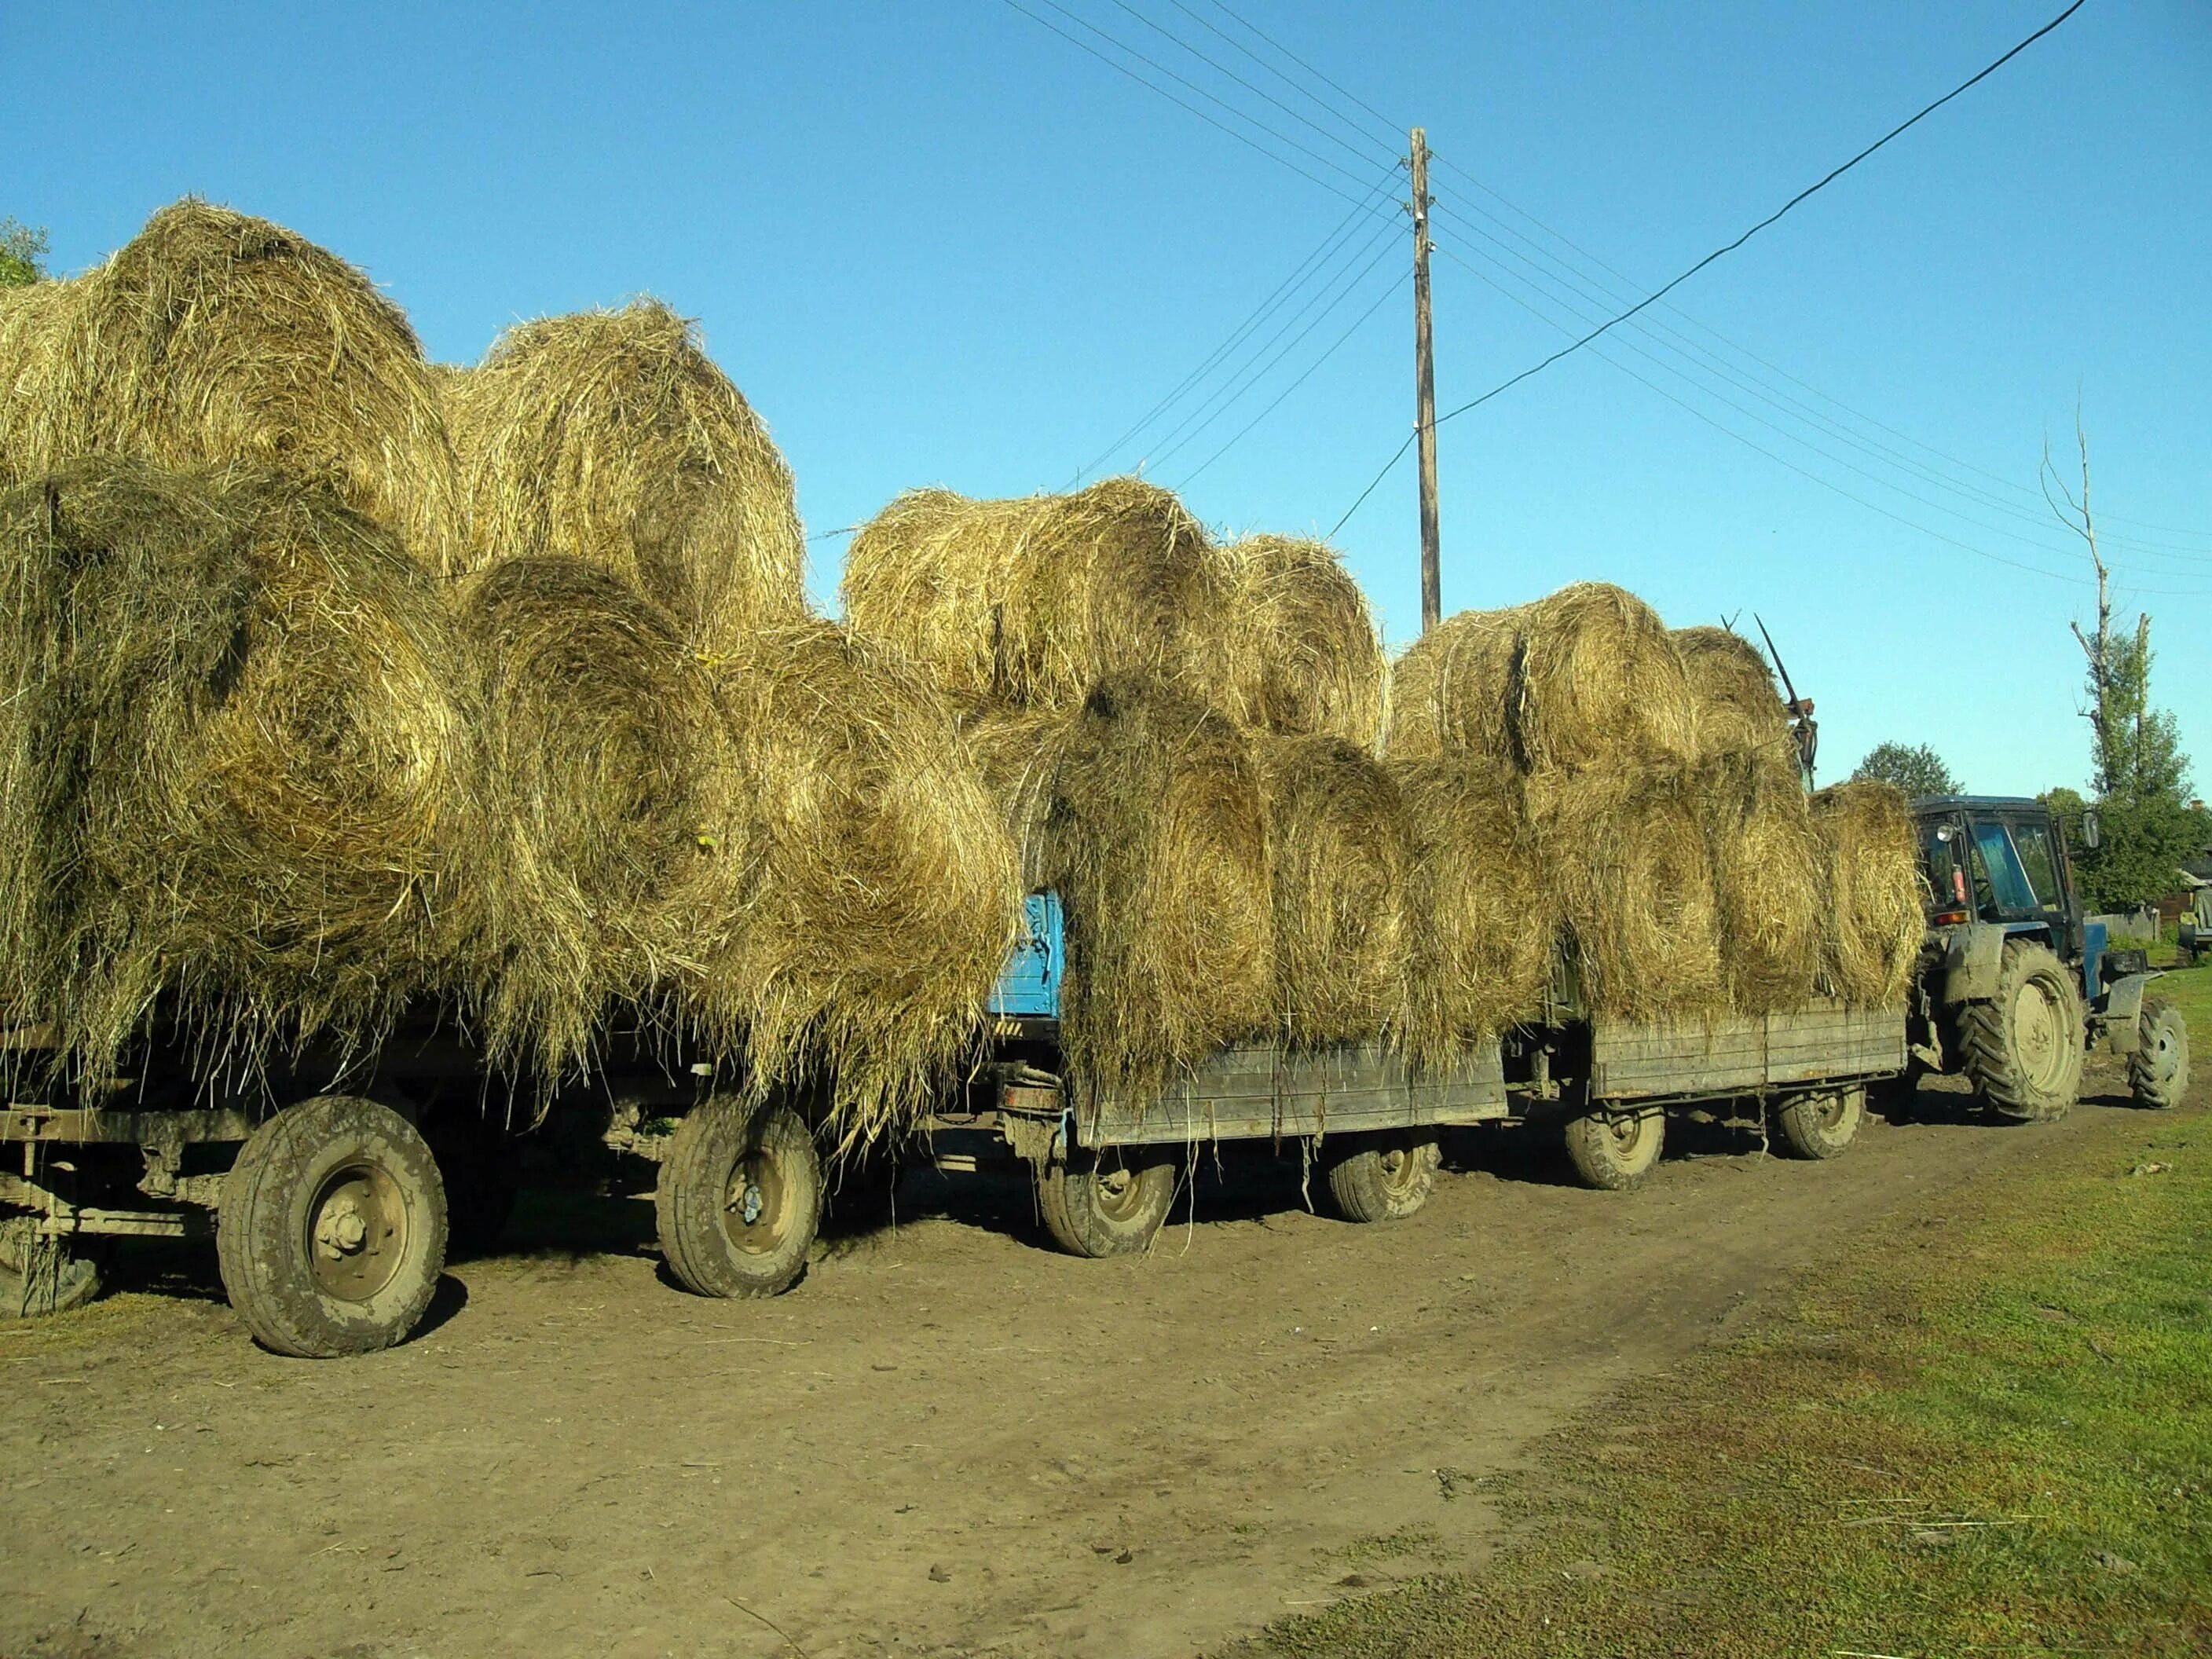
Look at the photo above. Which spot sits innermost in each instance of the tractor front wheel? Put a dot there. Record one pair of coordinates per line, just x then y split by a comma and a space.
2158, 1071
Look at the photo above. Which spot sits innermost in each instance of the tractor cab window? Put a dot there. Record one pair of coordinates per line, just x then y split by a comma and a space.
2000, 878
2039, 861
1947, 865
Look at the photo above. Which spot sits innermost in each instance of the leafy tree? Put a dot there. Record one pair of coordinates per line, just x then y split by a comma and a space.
22, 254
1916, 769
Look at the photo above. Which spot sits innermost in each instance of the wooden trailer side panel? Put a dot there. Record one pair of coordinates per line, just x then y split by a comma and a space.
1738, 1054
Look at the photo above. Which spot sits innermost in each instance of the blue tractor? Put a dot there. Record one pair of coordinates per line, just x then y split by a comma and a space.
2014, 985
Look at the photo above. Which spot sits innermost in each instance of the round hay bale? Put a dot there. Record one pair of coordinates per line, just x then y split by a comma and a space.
626, 855
1739, 712
1626, 859
1033, 601
1876, 898
1482, 923
213, 338
611, 437
45, 413
1599, 684
886, 891
1016, 754
243, 765
1339, 856
1156, 838
1767, 876
1453, 689
1304, 658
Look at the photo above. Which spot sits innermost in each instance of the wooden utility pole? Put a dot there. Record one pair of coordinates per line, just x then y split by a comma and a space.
1424, 386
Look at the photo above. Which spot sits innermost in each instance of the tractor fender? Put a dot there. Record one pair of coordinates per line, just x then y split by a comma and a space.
2121, 1017
1972, 963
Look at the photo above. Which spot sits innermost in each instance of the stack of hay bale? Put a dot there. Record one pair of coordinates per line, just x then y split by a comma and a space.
1633, 797
337, 683
1179, 733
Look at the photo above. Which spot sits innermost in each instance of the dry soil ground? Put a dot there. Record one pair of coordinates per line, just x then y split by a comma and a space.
946, 1440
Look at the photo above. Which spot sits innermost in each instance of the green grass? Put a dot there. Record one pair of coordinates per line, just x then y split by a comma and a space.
2191, 988
1992, 1436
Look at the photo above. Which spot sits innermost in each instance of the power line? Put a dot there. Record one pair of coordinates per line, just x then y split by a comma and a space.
1654, 297
1388, 293
1307, 267
1307, 93
1212, 98
1262, 35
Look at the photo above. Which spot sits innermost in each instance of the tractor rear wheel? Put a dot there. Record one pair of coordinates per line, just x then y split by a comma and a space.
2023, 1047
2158, 1071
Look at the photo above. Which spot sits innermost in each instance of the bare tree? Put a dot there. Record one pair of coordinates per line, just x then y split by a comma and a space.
2119, 667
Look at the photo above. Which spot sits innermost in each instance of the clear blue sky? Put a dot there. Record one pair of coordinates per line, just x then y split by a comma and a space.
937, 243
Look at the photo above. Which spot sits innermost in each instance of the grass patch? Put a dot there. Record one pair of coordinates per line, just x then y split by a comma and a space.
1989, 1434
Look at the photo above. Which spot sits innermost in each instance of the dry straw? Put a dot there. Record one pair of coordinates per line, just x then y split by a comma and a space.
1599, 684
214, 338
1304, 658
886, 892
1624, 856
1452, 690
1339, 857
624, 853
1033, 601
1155, 836
240, 767
1876, 915
1739, 712
1481, 922
1767, 873
611, 437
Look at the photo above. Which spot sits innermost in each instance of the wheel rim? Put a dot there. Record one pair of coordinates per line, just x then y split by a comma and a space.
358, 1230
2038, 1034
1624, 1140
2164, 1054
1827, 1113
755, 1213
1119, 1192
1401, 1168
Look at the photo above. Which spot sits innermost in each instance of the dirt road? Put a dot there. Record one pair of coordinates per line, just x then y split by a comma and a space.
946, 1440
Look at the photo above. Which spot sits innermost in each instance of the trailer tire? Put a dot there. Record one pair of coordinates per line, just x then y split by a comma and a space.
42, 1277
1385, 1177
2158, 1071
1615, 1152
739, 1199
2023, 1047
1107, 1203
1820, 1124
332, 1230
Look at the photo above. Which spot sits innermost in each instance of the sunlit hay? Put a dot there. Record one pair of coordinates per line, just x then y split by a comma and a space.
242, 767
887, 891
1481, 922
611, 437
1304, 658
1016, 752
1339, 856
1876, 896
1624, 856
1033, 601
1452, 690
1768, 879
213, 338
623, 868
1599, 683
1156, 838
1739, 712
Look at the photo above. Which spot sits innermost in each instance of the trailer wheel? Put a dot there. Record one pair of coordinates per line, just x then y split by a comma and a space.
1613, 1153
2158, 1071
1385, 1177
1107, 1203
331, 1231
42, 1276
739, 1199
2023, 1047
1820, 1125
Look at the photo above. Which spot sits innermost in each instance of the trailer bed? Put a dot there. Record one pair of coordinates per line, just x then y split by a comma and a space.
1744, 1054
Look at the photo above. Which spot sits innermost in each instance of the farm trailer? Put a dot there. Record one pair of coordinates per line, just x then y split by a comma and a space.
1106, 1172
332, 1187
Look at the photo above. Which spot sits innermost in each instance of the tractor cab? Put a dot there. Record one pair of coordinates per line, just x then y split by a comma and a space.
2000, 862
